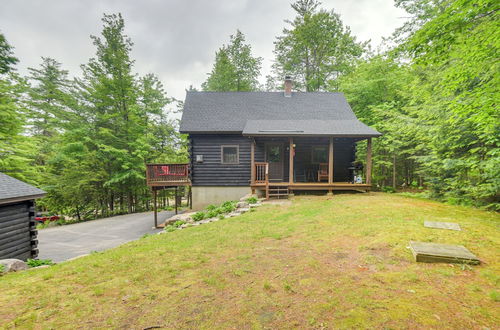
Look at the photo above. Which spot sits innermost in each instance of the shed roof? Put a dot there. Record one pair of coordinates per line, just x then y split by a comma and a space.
251, 112
352, 128
14, 190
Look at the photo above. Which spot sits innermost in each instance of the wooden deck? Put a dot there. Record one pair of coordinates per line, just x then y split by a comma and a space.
316, 186
167, 175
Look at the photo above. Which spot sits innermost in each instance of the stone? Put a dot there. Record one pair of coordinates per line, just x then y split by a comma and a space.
13, 265
183, 216
434, 252
240, 205
243, 210
442, 225
254, 205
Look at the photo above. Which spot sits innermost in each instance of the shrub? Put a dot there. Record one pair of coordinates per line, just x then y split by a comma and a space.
252, 200
228, 206
212, 213
38, 262
2, 269
211, 207
221, 216
199, 216
170, 228
178, 223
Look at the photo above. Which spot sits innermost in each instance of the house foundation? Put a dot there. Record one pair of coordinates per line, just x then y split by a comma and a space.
206, 195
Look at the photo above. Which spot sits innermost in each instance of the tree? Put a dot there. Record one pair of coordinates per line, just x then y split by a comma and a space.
7, 58
235, 69
15, 147
49, 98
316, 49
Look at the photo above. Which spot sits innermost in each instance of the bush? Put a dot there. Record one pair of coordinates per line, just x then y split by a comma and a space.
388, 189
170, 228
178, 223
2, 269
228, 206
39, 262
252, 200
211, 207
212, 214
198, 216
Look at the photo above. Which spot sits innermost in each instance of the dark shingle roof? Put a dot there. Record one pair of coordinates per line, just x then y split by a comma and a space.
12, 190
249, 112
308, 127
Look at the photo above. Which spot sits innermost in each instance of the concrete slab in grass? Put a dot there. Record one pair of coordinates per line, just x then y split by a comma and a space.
442, 225
434, 252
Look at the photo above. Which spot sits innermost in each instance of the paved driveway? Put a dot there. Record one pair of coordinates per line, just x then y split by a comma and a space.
65, 242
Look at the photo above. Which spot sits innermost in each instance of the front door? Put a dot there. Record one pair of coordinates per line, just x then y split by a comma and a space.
274, 156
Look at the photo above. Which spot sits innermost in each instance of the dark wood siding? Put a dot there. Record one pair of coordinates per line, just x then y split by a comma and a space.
211, 172
17, 231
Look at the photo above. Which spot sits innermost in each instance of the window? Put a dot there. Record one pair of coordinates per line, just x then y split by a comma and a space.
319, 155
274, 153
230, 154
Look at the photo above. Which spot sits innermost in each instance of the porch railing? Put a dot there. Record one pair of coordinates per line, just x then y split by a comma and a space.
173, 174
261, 172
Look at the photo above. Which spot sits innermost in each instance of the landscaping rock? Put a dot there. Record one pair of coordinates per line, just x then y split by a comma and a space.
242, 205
254, 205
13, 265
244, 209
183, 216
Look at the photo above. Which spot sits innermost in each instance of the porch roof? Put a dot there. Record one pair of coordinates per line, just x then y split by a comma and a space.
310, 127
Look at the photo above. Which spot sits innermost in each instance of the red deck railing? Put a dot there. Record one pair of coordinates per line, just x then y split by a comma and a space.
167, 174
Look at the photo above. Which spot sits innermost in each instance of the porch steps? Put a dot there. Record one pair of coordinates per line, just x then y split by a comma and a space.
277, 191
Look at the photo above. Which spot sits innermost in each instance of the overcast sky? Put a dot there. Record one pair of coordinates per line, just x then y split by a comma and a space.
175, 39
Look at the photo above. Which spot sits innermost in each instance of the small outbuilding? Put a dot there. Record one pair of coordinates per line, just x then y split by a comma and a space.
17, 224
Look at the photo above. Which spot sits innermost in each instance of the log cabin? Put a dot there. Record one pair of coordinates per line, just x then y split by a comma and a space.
272, 143
17, 224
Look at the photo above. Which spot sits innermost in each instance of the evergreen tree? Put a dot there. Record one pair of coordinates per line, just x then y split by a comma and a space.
49, 98
235, 69
15, 147
7, 58
316, 49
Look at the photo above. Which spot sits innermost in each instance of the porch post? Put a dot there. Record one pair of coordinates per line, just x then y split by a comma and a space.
175, 199
252, 162
292, 151
369, 160
330, 162
155, 207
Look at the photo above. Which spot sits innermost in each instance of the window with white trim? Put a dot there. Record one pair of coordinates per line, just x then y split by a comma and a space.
230, 154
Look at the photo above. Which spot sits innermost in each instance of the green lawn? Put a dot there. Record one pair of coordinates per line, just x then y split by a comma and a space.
318, 262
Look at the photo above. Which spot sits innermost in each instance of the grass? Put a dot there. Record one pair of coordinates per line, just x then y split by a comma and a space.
319, 262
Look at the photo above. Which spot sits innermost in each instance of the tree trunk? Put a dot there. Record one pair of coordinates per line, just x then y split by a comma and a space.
394, 171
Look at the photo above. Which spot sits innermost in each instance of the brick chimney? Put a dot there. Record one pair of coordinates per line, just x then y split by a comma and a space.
288, 86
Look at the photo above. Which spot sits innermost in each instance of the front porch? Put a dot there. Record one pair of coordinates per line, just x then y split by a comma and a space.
288, 164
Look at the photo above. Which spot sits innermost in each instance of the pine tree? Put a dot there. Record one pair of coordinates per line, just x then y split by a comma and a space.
235, 69
316, 49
